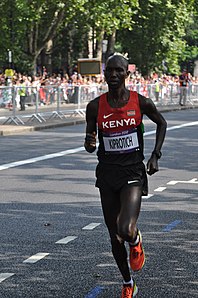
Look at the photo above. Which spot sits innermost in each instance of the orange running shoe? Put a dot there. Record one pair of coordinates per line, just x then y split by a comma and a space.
137, 256
129, 291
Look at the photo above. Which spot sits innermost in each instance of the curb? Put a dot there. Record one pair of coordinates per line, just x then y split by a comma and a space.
6, 130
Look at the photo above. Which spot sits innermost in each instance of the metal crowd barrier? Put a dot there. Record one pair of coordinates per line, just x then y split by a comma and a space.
168, 94
60, 101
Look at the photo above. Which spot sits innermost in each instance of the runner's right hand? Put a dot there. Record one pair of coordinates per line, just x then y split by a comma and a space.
90, 139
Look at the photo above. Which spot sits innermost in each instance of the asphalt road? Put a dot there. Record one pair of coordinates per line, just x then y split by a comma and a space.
53, 240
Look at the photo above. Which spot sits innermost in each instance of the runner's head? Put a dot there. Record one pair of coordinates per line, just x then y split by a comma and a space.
116, 70
120, 57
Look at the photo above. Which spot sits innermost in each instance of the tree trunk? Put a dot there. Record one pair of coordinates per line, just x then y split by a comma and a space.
98, 49
111, 44
48, 56
34, 49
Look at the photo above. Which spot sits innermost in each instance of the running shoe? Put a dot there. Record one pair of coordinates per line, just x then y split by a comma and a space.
128, 291
137, 256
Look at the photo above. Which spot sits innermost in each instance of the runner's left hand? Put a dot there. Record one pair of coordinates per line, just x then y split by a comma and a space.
152, 165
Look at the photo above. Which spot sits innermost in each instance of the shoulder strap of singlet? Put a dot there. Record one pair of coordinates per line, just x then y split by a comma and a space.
101, 105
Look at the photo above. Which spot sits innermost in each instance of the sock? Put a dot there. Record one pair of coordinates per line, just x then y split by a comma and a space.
128, 282
136, 241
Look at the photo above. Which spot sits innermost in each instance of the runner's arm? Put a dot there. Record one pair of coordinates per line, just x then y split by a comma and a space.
149, 109
91, 126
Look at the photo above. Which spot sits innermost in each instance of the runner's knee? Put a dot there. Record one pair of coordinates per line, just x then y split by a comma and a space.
127, 231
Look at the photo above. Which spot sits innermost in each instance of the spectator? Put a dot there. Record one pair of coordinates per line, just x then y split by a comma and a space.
157, 90
22, 93
183, 81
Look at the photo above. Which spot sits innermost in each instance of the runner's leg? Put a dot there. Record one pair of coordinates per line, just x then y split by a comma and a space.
130, 198
111, 209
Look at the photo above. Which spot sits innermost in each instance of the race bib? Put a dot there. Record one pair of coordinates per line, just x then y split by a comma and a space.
122, 142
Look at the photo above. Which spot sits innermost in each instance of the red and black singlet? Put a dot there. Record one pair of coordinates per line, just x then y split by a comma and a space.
119, 132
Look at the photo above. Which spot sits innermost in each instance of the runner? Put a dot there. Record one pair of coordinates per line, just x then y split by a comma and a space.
116, 117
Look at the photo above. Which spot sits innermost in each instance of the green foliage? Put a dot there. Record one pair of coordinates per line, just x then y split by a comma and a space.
158, 35
111, 15
151, 31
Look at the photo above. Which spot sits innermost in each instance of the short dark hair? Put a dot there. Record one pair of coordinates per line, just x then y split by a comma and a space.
124, 58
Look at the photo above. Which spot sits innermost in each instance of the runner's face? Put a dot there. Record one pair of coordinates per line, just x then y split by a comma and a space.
116, 72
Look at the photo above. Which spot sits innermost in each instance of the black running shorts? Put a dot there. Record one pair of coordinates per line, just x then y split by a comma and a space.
116, 176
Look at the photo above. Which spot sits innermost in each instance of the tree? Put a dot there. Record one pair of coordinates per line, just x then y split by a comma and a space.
154, 32
106, 17
190, 54
35, 23
157, 35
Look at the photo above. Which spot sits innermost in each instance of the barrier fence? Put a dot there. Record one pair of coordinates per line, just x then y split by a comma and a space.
53, 101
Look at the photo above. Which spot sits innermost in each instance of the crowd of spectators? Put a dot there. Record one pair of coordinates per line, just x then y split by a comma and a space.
48, 82
77, 79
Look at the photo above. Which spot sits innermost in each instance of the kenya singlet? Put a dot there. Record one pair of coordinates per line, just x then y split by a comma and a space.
120, 132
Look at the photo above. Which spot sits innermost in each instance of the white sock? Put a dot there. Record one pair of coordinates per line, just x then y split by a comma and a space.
128, 282
136, 241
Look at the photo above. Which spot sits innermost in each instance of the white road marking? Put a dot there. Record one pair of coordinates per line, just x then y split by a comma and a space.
40, 158
72, 151
193, 181
148, 196
148, 133
4, 276
91, 226
66, 240
182, 125
106, 265
35, 258
160, 188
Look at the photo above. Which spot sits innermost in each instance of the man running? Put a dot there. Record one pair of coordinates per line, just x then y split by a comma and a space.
116, 117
